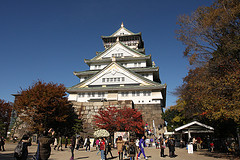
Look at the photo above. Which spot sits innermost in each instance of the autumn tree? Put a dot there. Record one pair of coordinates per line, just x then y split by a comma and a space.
212, 39
211, 32
5, 115
45, 105
175, 116
119, 119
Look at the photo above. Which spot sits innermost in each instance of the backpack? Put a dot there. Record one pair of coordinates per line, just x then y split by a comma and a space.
132, 149
18, 150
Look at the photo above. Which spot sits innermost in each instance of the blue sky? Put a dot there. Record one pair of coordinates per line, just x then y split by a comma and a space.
49, 39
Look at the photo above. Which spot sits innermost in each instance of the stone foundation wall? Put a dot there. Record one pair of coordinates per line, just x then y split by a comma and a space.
152, 112
87, 110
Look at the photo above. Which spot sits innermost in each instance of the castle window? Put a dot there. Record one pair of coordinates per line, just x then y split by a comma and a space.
103, 80
133, 93
138, 93
124, 94
123, 79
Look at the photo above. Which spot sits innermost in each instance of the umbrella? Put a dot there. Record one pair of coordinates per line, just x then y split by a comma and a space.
101, 133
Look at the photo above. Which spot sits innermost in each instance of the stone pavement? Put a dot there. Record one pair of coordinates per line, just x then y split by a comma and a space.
152, 153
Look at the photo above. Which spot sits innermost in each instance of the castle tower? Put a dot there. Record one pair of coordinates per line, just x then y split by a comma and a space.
121, 75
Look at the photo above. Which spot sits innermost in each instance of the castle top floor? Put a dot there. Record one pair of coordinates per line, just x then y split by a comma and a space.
132, 40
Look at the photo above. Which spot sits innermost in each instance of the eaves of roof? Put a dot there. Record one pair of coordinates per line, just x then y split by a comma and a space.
132, 34
141, 70
132, 72
89, 61
116, 88
100, 53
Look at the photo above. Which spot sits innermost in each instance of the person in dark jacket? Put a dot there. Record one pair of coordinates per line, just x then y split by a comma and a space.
162, 146
2, 143
44, 145
132, 149
26, 142
72, 146
171, 146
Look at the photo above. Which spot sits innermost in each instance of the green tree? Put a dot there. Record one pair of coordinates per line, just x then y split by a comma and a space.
45, 105
175, 116
78, 126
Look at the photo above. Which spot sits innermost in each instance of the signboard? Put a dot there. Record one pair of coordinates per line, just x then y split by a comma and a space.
125, 136
190, 148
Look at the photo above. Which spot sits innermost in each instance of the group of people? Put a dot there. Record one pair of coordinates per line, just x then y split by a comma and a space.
132, 148
162, 143
43, 151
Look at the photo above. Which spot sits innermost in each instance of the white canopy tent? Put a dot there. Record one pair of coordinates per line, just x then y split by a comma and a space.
194, 127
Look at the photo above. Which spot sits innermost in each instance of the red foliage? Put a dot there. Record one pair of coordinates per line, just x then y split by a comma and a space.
124, 119
43, 105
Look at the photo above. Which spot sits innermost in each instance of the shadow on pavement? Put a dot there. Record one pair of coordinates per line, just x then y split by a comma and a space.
6, 156
81, 158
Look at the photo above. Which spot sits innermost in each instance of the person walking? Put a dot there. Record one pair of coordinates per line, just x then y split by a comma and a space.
2, 143
44, 145
60, 143
120, 145
142, 145
77, 143
109, 149
171, 146
132, 149
87, 143
102, 148
97, 144
162, 146
66, 142
72, 146
55, 143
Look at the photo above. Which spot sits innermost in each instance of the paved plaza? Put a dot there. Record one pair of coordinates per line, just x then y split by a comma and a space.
152, 154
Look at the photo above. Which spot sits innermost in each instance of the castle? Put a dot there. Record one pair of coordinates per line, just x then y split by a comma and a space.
121, 75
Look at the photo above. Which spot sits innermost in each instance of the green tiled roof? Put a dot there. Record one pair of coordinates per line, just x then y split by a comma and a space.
118, 59
132, 34
117, 88
138, 75
100, 53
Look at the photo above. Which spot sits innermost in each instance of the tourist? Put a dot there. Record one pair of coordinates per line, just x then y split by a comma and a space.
109, 149
125, 149
44, 145
171, 146
55, 143
162, 146
199, 141
132, 149
211, 146
26, 142
77, 143
72, 146
87, 143
102, 148
157, 141
66, 142
142, 145
120, 145
2, 143
60, 143
97, 144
